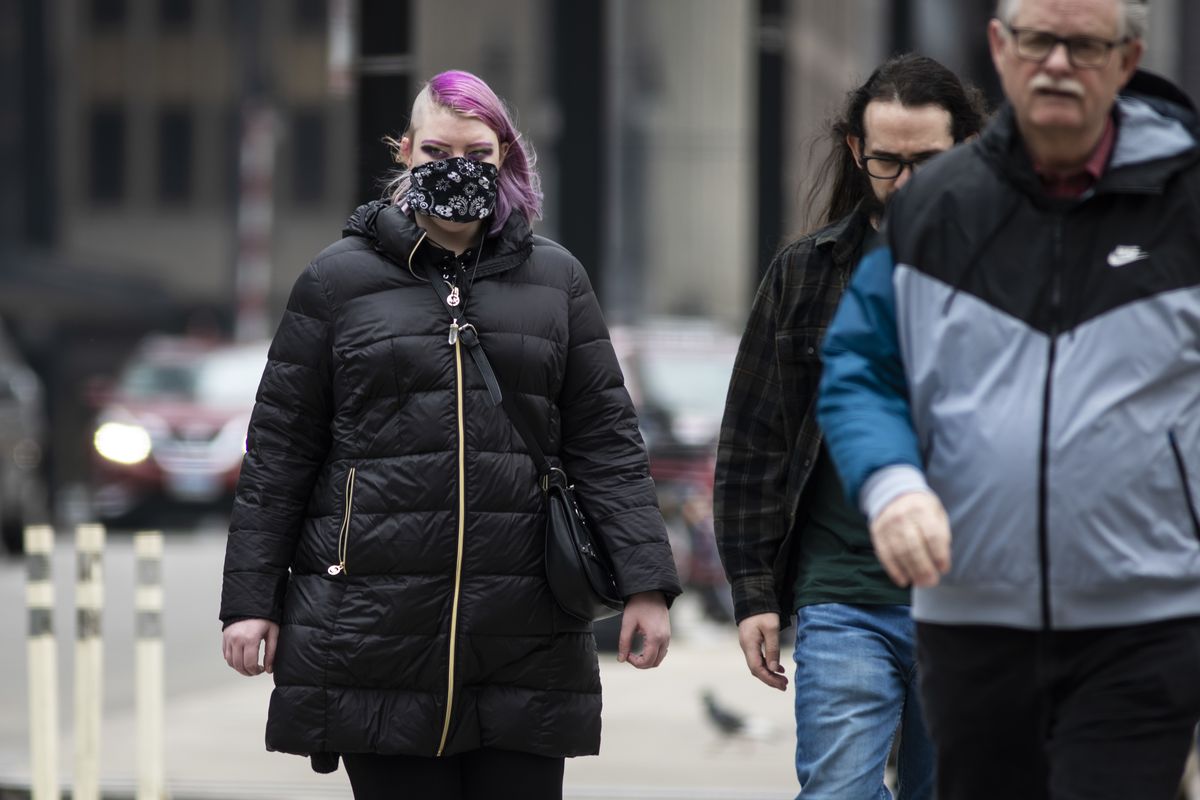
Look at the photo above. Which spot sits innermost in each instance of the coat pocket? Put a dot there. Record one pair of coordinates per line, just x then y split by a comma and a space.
800, 345
798, 358
343, 549
1188, 498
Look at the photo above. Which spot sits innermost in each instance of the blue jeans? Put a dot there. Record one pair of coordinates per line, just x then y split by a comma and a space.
856, 686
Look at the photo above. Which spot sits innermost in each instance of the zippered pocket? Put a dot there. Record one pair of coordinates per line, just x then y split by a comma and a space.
344, 532
1183, 477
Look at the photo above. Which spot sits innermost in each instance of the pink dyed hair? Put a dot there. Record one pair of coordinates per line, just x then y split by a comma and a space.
520, 187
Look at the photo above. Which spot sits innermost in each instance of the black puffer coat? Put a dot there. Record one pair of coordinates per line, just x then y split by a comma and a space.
374, 445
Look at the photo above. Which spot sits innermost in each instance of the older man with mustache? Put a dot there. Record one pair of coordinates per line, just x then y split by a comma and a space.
1011, 393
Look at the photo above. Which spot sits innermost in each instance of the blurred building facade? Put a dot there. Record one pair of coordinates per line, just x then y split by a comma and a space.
149, 101
138, 125
674, 139
133, 167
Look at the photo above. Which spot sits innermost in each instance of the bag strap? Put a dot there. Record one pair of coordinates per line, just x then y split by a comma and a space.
461, 329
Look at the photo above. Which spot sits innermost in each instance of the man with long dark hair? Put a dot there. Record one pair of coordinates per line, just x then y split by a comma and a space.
789, 540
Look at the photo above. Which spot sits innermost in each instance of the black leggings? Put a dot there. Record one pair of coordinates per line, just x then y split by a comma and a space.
477, 775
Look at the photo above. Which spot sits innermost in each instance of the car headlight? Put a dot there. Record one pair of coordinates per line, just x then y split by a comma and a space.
122, 442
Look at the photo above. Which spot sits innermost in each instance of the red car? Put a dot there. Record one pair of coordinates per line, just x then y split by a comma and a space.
174, 427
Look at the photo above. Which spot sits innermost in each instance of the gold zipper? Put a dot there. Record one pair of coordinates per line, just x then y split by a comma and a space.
462, 518
344, 534
462, 510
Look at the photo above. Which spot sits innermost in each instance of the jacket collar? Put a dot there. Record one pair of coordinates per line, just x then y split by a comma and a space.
845, 237
396, 234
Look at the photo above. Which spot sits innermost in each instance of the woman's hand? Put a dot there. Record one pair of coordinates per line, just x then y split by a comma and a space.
645, 613
240, 643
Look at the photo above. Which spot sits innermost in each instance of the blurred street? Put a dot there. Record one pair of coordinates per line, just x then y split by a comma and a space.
658, 742
171, 168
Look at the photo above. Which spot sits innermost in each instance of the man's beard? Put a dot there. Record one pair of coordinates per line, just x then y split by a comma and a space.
872, 206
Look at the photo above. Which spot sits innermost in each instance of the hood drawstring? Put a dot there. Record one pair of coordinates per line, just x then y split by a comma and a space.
413, 252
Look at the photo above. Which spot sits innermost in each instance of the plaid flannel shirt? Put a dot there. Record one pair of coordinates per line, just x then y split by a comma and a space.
769, 437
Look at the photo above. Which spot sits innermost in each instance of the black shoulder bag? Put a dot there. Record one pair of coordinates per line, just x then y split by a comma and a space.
578, 569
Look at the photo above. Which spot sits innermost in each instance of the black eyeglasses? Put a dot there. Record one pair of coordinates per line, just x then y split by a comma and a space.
1084, 52
888, 168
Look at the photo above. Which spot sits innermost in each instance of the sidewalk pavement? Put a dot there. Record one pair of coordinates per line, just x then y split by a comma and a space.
657, 740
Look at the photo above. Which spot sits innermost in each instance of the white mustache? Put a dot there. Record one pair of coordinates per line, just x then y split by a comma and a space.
1066, 85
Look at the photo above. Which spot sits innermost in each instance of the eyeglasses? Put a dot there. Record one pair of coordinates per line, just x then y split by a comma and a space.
1084, 52
888, 168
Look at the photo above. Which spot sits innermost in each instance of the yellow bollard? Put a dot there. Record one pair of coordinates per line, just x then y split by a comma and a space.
43, 663
148, 667
89, 660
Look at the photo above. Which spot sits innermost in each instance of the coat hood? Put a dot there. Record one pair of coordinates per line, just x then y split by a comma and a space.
395, 233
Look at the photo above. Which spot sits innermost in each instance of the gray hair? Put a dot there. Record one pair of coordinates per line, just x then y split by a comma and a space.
1136, 19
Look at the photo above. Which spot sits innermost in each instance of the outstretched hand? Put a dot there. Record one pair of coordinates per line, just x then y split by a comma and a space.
240, 645
645, 613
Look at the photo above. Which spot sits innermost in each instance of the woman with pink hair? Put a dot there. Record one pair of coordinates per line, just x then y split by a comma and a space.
387, 546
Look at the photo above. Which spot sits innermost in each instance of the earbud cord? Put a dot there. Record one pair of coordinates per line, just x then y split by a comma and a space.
475, 268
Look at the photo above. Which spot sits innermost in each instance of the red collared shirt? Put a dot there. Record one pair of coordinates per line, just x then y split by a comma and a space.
1063, 186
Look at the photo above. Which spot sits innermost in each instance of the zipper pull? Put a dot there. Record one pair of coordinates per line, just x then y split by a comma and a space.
453, 300
336, 569
453, 332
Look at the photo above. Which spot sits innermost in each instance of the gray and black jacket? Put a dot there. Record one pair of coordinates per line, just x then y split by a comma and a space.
1037, 363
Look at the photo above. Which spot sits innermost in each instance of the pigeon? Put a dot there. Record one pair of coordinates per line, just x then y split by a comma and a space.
733, 725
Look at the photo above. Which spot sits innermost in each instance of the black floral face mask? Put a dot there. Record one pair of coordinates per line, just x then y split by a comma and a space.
454, 189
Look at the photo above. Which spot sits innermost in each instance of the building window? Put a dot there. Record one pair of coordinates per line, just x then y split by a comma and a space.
384, 28
106, 154
176, 132
308, 157
310, 15
107, 13
174, 14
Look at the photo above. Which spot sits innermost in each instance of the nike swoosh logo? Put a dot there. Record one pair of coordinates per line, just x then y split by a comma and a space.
1124, 255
